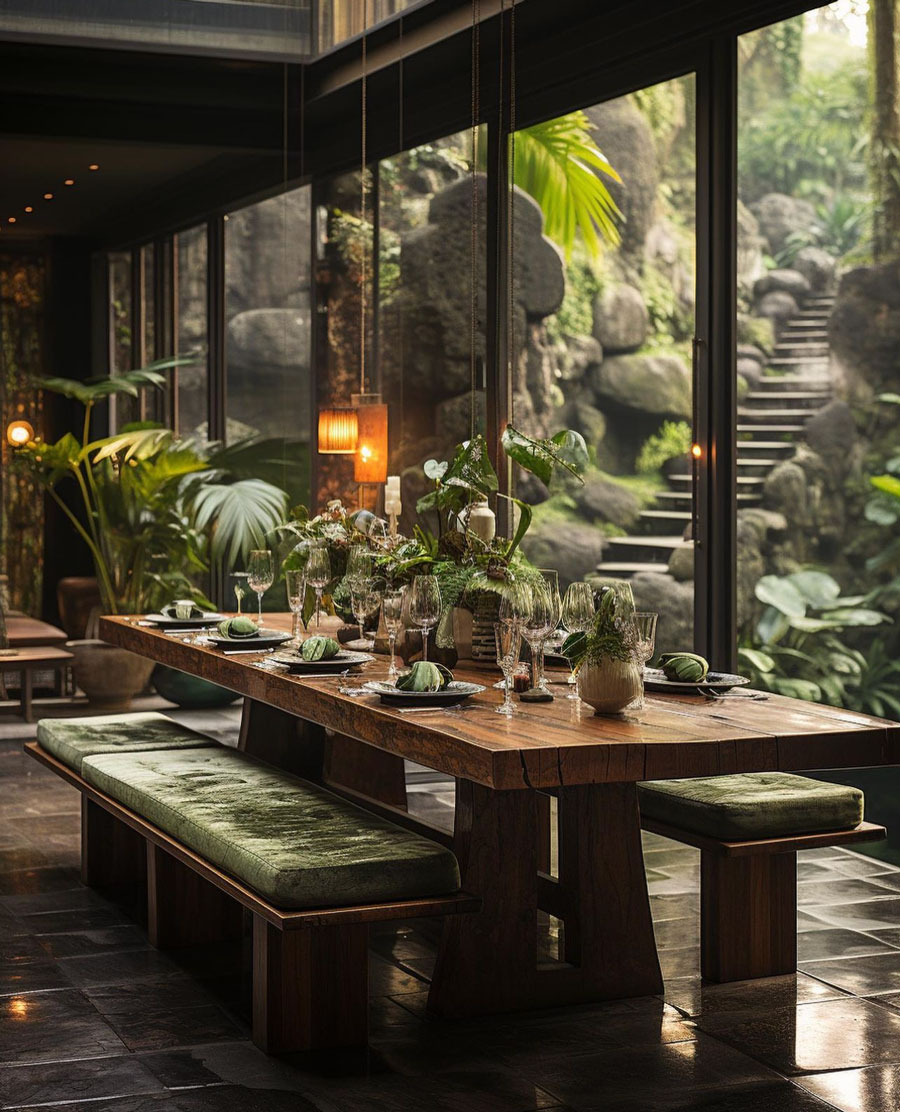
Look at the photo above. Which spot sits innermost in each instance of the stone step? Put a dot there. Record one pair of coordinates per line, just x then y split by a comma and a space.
647, 549
814, 351
810, 322
820, 299
682, 499
805, 335
624, 569
785, 416
666, 515
783, 447
817, 313
813, 383
796, 399
798, 361
772, 430
760, 467
746, 481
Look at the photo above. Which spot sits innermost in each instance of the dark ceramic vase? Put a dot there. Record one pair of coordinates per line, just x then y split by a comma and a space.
190, 691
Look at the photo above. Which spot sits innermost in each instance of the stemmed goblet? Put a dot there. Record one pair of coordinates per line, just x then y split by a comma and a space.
577, 616
538, 623
318, 572
425, 606
551, 580
508, 640
363, 600
260, 575
392, 612
644, 625
295, 583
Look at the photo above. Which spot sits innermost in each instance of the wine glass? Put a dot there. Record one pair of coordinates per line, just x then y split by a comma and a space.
425, 606
295, 583
318, 572
260, 575
536, 627
515, 605
359, 565
363, 600
551, 578
240, 587
392, 611
577, 616
644, 624
508, 640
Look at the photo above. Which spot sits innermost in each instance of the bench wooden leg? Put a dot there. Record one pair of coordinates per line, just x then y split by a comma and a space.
310, 987
111, 852
183, 909
748, 915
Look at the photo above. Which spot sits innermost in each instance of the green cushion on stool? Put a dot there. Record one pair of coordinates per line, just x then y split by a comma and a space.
751, 806
72, 739
293, 842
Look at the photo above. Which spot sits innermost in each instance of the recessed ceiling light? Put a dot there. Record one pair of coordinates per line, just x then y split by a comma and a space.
12, 219
93, 166
28, 208
69, 181
48, 196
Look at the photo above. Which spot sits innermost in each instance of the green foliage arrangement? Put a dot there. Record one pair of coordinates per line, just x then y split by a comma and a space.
799, 647
611, 637
154, 508
671, 441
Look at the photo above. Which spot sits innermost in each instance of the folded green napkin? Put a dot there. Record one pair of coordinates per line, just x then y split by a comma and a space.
238, 627
169, 611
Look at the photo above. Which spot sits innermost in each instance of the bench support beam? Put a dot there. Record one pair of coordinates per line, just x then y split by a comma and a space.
183, 909
111, 852
310, 987
748, 915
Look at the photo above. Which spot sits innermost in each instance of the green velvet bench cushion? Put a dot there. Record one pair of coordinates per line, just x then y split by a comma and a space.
752, 806
293, 842
70, 740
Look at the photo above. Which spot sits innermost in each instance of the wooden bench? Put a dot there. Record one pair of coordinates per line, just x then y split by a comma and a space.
27, 661
748, 893
310, 966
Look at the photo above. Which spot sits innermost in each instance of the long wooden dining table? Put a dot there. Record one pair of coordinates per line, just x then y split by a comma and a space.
506, 771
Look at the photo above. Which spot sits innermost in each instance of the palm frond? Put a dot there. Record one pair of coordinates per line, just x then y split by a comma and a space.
560, 166
129, 382
239, 514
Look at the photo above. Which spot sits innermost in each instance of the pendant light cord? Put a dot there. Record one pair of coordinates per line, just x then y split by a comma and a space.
510, 216
473, 277
362, 212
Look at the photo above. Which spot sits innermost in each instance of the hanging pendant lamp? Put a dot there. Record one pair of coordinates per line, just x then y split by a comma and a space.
338, 431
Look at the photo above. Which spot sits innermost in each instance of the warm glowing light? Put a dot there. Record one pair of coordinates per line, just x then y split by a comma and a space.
48, 196
12, 219
93, 166
19, 433
338, 431
18, 1007
69, 181
696, 451
28, 208
370, 462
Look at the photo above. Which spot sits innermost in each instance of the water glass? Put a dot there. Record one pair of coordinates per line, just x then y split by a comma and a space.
318, 573
536, 627
359, 564
260, 574
425, 606
644, 626
551, 579
392, 612
508, 640
295, 583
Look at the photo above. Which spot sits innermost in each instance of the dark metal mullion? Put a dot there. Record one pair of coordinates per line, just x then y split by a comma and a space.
215, 369
138, 351
162, 321
496, 379
375, 201
715, 572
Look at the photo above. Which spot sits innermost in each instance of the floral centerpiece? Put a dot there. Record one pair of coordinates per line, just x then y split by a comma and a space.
606, 657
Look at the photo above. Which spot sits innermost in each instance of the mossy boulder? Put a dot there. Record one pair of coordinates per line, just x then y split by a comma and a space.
646, 383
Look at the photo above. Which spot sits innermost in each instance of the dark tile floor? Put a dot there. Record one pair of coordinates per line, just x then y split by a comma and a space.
92, 1018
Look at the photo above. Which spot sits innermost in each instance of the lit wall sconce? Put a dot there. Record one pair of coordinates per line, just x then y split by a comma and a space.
19, 433
370, 461
338, 431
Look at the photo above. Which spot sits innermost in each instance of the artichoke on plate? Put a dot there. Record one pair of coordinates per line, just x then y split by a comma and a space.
238, 627
684, 667
319, 648
424, 675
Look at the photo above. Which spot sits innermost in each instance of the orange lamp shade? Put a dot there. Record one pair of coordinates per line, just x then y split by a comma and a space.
19, 433
371, 460
338, 431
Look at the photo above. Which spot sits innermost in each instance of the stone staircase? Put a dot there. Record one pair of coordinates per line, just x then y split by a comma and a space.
771, 419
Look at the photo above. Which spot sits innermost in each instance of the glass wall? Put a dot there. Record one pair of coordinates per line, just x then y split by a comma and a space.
818, 361
121, 334
267, 332
603, 318
430, 345
191, 330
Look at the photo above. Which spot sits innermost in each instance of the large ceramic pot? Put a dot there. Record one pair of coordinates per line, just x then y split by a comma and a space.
611, 686
108, 675
185, 690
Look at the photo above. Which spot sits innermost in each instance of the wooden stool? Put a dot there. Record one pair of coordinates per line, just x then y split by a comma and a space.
25, 662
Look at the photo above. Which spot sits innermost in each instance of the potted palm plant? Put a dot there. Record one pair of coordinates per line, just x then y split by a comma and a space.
153, 510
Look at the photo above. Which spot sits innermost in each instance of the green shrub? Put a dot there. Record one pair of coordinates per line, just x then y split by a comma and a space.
672, 440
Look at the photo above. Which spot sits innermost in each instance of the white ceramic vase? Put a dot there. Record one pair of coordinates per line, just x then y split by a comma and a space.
611, 686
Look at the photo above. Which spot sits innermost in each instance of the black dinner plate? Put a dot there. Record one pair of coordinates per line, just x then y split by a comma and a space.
265, 639
457, 691
162, 621
340, 663
655, 680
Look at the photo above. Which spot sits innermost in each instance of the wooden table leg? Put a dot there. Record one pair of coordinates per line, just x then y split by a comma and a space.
363, 768
488, 963
282, 739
